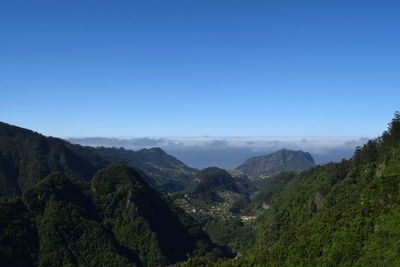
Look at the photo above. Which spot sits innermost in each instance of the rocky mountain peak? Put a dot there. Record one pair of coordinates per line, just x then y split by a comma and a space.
281, 160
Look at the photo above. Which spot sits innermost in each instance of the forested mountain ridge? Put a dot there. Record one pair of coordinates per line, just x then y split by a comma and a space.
210, 182
214, 199
114, 220
168, 174
279, 161
212, 179
27, 156
338, 214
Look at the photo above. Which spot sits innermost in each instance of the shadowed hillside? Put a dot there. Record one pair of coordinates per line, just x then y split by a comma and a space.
166, 172
27, 156
115, 220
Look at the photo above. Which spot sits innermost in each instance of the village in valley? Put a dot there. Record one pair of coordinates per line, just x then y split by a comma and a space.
199, 209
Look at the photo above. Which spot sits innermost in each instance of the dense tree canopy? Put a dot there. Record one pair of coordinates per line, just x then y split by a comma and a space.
115, 220
338, 214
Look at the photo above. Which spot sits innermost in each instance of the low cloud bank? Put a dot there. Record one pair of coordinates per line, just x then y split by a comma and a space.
230, 152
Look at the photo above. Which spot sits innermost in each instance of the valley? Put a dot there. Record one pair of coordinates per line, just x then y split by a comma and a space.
83, 206
199, 133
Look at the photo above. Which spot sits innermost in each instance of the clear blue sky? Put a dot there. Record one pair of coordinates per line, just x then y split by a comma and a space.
162, 68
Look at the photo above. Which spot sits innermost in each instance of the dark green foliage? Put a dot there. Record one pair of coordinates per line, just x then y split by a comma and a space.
163, 171
139, 217
115, 220
231, 232
213, 198
339, 214
56, 187
197, 262
213, 179
18, 236
26, 157
244, 185
240, 204
263, 198
210, 181
68, 228
383, 245
392, 135
69, 237
368, 153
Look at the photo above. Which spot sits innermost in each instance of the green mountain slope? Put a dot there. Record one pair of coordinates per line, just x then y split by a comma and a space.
214, 198
339, 214
165, 172
114, 220
211, 182
26, 157
212, 179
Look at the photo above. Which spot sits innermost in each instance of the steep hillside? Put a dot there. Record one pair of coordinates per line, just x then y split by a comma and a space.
26, 157
339, 214
212, 179
166, 172
115, 220
279, 161
214, 199
214, 192
210, 183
